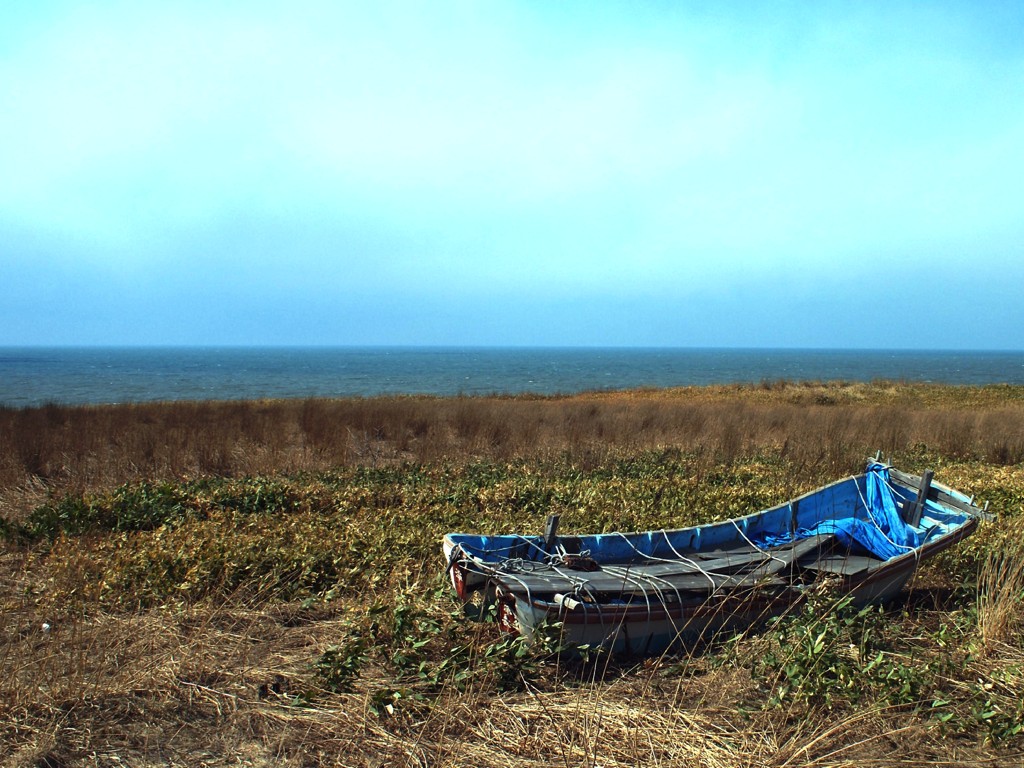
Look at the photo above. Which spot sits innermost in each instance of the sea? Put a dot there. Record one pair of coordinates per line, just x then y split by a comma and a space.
34, 376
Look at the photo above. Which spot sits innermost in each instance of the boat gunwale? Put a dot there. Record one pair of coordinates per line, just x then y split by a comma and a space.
955, 499
536, 539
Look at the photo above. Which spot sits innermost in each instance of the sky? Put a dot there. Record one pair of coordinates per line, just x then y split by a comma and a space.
677, 174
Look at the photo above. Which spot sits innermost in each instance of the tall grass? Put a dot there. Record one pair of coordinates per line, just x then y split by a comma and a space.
1000, 593
77, 448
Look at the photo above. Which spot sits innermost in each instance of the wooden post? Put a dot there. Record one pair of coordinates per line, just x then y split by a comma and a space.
917, 508
551, 532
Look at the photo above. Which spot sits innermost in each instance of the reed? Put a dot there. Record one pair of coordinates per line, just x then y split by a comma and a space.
1000, 592
74, 449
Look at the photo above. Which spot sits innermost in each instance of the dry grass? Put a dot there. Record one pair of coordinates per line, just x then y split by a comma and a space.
74, 449
157, 690
186, 690
1000, 597
223, 672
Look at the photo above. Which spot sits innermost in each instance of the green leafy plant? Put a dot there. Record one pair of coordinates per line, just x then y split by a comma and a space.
515, 661
834, 651
338, 666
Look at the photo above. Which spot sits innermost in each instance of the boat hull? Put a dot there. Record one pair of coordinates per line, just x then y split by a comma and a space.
660, 626
656, 601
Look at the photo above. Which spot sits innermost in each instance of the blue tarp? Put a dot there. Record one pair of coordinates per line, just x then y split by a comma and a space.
882, 532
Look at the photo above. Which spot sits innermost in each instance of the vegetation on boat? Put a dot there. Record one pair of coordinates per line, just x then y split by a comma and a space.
259, 583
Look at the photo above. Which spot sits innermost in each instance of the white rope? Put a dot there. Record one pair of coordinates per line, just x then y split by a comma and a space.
685, 559
627, 577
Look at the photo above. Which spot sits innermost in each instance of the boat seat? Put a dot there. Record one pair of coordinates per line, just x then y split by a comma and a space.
635, 582
840, 565
760, 568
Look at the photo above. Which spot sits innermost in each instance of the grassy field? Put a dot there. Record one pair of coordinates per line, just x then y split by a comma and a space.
260, 583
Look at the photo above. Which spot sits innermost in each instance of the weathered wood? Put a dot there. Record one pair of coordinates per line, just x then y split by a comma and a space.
637, 582
935, 492
913, 514
636, 579
843, 565
551, 532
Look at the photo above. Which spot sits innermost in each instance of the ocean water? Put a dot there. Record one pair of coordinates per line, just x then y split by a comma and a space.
35, 376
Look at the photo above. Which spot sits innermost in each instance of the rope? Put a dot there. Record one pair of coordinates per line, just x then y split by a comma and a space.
688, 560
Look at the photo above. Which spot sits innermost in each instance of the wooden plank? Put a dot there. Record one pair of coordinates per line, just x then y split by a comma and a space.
936, 493
603, 585
843, 565
917, 508
637, 579
551, 531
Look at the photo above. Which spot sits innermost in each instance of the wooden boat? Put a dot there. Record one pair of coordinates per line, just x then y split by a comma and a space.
645, 592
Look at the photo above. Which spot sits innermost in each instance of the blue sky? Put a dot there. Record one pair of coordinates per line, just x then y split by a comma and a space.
649, 174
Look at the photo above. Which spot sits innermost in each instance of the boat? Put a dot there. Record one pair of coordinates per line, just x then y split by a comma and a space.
644, 593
